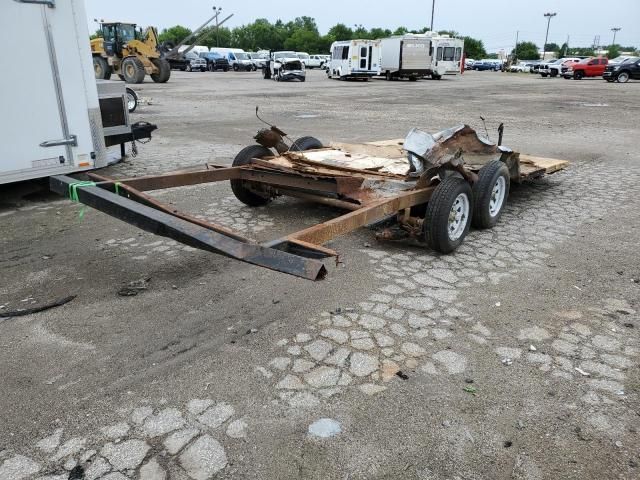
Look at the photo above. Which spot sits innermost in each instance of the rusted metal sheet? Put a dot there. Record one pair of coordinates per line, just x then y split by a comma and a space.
166, 225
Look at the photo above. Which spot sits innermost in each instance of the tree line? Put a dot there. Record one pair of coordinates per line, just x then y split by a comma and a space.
300, 35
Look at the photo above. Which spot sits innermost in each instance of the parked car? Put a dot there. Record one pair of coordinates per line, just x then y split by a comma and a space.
468, 63
623, 71
488, 64
557, 67
304, 57
588, 67
315, 61
237, 58
284, 66
195, 62
215, 61
258, 59
521, 67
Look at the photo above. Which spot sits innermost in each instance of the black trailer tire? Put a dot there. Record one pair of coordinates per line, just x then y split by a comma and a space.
101, 68
132, 70
239, 187
132, 100
447, 222
306, 143
164, 70
490, 194
436, 76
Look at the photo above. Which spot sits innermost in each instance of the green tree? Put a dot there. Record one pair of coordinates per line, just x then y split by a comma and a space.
613, 51
174, 34
340, 32
582, 52
551, 47
376, 33
474, 48
526, 51
400, 31
564, 49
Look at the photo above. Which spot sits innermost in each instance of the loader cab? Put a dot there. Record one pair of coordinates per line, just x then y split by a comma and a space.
116, 35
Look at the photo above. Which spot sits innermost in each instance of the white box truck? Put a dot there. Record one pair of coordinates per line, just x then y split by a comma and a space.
406, 56
354, 59
51, 121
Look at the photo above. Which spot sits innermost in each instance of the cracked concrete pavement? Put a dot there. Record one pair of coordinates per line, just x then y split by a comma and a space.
516, 357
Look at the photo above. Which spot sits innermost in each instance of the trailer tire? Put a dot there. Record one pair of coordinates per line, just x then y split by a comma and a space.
436, 76
164, 70
490, 194
132, 70
306, 143
101, 68
447, 220
239, 187
132, 100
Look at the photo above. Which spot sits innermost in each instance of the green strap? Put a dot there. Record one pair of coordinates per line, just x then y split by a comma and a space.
73, 193
117, 185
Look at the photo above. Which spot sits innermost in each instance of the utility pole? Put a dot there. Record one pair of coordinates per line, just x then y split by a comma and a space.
433, 8
546, 37
615, 30
515, 51
217, 11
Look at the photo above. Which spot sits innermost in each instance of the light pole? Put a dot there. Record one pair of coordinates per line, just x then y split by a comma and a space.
217, 12
433, 8
546, 37
615, 30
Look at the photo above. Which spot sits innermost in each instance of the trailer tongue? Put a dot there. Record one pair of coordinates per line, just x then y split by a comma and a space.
452, 178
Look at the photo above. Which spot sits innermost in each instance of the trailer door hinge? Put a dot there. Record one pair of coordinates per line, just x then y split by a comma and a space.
72, 140
48, 3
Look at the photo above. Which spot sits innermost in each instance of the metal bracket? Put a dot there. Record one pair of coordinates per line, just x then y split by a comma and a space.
72, 140
48, 3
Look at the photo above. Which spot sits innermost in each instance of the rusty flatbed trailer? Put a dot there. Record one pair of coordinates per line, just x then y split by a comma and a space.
434, 186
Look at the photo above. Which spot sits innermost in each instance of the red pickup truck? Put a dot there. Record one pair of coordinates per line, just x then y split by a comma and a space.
588, 67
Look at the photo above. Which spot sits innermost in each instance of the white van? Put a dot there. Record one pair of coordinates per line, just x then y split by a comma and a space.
354, 59
238, 58
197, 49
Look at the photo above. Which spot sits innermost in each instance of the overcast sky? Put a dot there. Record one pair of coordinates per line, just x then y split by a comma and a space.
493, 21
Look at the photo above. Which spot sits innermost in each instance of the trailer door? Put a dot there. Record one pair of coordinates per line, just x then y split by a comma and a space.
414, 54
48, 125
33, 109
364, 57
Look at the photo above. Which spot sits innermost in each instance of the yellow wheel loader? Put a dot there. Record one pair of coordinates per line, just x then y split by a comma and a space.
129, 53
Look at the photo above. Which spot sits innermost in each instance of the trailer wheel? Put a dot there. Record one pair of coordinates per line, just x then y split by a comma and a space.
447, 220
306, 143
241, 188
132, 100
133, 70
490, 194
436, 76
164, 70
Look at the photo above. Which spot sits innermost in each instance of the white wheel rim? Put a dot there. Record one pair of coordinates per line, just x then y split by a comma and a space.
458, 216
497, 196
131, 102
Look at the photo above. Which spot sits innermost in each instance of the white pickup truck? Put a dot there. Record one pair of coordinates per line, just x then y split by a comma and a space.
555, 67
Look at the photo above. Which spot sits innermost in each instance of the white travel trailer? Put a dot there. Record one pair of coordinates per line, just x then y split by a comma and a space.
417, 55
51, 122
406, 56
447, 55
354, 59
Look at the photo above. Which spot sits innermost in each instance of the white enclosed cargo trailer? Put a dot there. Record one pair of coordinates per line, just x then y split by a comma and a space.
51, 121
354, 59
405, 56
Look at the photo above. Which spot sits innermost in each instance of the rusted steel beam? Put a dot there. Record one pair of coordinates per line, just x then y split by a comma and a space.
158, 182
332, 184
144, 199
166, 225
323, 232
332, 202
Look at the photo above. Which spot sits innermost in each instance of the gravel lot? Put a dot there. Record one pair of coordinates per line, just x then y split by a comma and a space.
519, 353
